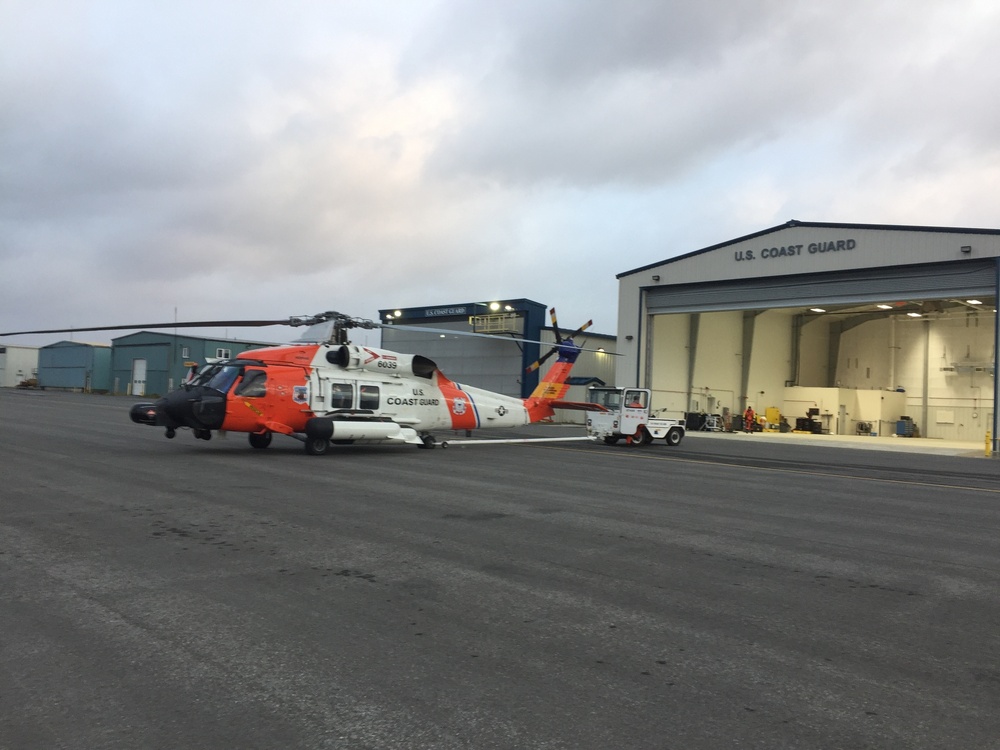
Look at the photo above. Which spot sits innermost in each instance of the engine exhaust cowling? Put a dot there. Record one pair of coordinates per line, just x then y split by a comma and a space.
370, 359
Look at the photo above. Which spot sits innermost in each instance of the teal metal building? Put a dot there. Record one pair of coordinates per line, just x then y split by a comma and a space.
153, 364
75, 365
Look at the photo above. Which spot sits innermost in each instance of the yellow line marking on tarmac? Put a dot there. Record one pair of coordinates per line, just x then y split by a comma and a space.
806, 472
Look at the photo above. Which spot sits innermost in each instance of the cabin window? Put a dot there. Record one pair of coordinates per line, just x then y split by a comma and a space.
341, 395
253, 385
368, 397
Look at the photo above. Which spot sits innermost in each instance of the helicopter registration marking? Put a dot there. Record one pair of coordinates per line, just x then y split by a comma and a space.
385, 361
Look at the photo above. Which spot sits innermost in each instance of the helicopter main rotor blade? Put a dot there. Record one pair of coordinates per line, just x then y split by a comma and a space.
308, 320
453, 332
175, 324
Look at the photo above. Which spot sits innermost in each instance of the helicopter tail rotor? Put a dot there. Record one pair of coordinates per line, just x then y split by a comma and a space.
562, 346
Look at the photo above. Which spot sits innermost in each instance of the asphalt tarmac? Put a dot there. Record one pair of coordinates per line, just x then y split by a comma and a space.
721, 594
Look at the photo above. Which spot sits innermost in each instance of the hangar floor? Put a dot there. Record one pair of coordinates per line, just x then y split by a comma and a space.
890, 443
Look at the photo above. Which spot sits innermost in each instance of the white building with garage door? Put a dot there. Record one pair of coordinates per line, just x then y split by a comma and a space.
851, 329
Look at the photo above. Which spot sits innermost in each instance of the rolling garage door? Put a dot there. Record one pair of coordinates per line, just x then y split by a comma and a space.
917, 283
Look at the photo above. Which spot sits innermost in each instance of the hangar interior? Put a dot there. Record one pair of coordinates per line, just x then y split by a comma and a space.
873, 340
863, 368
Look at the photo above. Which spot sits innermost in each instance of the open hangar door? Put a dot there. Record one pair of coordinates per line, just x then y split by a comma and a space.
853, 352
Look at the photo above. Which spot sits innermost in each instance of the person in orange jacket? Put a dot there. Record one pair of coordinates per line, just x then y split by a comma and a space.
749, 420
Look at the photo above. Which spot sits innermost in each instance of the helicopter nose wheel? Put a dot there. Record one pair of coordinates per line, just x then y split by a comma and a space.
260, 440
203, 434
171, 433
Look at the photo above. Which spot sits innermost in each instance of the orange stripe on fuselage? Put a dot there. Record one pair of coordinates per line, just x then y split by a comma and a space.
461, 407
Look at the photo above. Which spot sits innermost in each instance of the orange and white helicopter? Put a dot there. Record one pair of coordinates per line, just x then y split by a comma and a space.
325, 390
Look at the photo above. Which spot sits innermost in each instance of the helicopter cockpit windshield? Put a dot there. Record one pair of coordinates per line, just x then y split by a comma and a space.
219, 377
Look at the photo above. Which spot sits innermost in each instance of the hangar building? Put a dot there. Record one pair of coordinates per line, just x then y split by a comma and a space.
850, 329
497, 362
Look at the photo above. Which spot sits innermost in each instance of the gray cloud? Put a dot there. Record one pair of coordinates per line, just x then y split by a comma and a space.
238, 159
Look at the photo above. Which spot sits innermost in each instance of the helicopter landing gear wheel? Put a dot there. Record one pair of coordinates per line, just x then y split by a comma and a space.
260, 440
171, 433
203, 434
611, 440
428, 442
317, 446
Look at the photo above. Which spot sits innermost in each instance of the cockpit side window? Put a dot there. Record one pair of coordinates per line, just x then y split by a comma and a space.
222, 379
253, 385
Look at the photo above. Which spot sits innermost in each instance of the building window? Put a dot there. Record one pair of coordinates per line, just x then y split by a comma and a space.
185, 352
223, 353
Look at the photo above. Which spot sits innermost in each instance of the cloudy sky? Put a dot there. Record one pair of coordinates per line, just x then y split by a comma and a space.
219, 159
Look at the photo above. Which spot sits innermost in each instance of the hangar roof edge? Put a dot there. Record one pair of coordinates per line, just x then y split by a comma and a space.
815, 224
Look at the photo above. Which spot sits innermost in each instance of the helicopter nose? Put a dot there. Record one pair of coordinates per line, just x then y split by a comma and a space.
200, 408
143, 414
